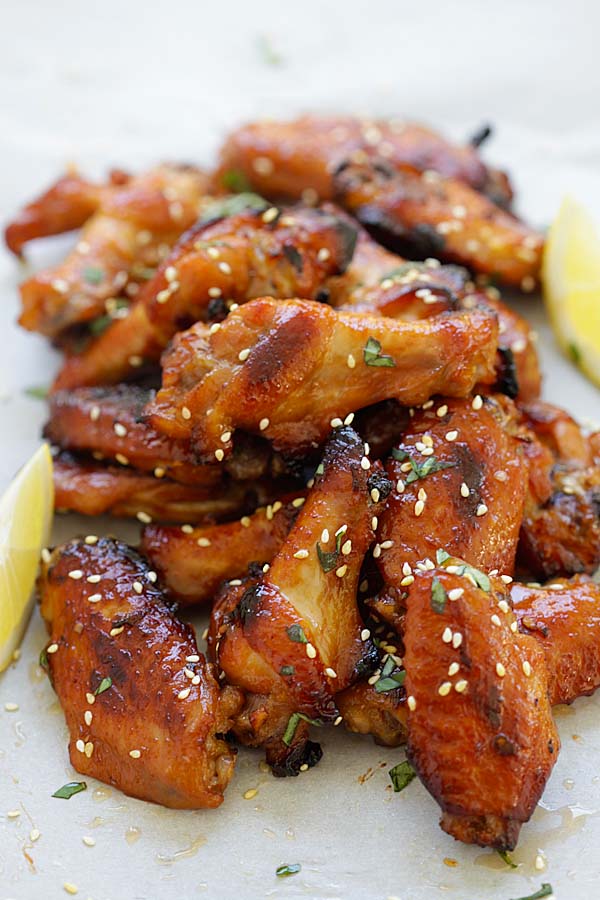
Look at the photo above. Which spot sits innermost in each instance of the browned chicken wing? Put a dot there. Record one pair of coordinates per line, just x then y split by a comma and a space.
144, 710
480, 729
283, 253
288, 369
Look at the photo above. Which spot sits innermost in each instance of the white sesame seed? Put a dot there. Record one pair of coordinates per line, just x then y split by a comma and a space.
444, 689
411, 703
87, 716
457, 639
219, 455
496, 620
330, 672
184, 694
455, 593
90, 698
500, 670
94, 579
270, 214
300, 554
464, 490
34, 835
225, 268
244, 354
503, 605
451, 435
263, 424
323, 254
506, 579
365, 464
80, 745
336, 422
460, 686
143, 517
185, 413
203, 542
422, 495
441, 411
377, 551
216, 326
526, 667
447, 635
338, 721
262, 165
135, 754
341, 571
500, 475
481, 510
95, 413
408, 579
453, 668
75, 574
419, 507
226, 436
88, 749
52, 648
324, 536
88, 841
11, 707
114, 632
214, 292
477, 402
400, 486
514, 627
350, 361
138, 587
95, 598
310, 650
365, 634
349, 419
70, 888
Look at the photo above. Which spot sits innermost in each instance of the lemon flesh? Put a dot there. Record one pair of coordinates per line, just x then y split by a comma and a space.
571, 285
25, 518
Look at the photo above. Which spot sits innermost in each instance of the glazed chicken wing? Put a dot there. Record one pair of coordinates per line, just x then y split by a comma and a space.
119, 248
144, 710
429, 215
282, 253
294, 159
480, 728
287, 369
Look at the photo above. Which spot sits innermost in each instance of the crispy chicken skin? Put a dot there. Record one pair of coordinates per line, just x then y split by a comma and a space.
287, 158
480, 729
382, 715
472, 506
303, 364
564, 617
123, 242
193, 564
292, 637
232, 259
66, 205
434, 216
156, 732
93, 489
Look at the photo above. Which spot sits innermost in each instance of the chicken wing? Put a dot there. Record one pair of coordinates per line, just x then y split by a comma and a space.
480, 728
292, 637
193, 563
144, 710
287, 369
92, 489
429, 215
119, 248
294, 159
258, 251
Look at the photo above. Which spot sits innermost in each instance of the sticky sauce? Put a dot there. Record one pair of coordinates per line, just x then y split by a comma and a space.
185, 853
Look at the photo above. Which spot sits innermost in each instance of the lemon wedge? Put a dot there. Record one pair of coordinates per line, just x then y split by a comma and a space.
571, 285
25, 518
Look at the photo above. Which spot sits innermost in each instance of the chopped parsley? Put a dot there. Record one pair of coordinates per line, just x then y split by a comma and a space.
401, 775
295, 633
103, 686
232, 206
373, 355
43, 660
287, 670
36, 392
438, 596
236, 181
290, 869
506, 857
389, 679
290, 729
93, 275
544, 891
69, 790
420, 470
480, 578
329, 558
98, 326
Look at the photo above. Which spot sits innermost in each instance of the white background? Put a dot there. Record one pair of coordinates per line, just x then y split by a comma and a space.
131, 83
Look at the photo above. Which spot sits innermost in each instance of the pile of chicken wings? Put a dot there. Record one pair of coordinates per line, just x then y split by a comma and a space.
298, 372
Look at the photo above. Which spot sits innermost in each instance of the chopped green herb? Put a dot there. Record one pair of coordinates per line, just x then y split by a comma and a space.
290, 729
320, 469
236, 181
103, 686
480, 578
405, 268
396, 680
69, 790
98, 326
575, 353
290, 869
373, 355
231, 206
295, 633
267, 53
506, 857
421, 470
441, 556
93, 275
544, 891
43, 660
438, 596
37, 393
401, 775
329, 558
287, 670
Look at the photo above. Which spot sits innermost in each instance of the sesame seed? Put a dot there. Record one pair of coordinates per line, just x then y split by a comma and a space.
457, 639
213, 252
94, 579
203, 542
214, 292
477, 402
138, 587
506, 579
526, 668
481, 510
87, 716
219, 455
447, 635
185, 413
114, 632
225, 268
513, 627
46, 555
422, 495
75, 574
90, 698
265, 569
323, 254
52, 648
349, 419
419, 507
377, 551
187, 529
88, 749
34, 835
365, 634
336, 423
341, 571
245, 521
451, 435
324, 536
408, 579
453, 668
441, 411
214, 328
297, 503
263, 424
500, 670
80, 745
13, 813
95, 598
244, 354
60, 285
496, 620
310, 650
350, 361
249, 794
464, 490
70, 888
455, 593
184, 694
135, 754
143, 517
88, 841
338, 721
300, 554
500, 475
364, 463
121, 458
444, 689
226, 436
152, 576
170, 273
460, 686
411, 703
375, 495
374, 523
503, 605
11, 707
400, 486
330, 672
427, 405
192, 658
270, 214
262, 165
